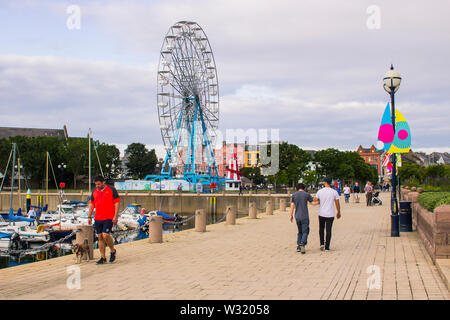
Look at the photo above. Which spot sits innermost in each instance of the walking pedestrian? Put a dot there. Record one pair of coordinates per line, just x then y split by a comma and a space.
368, 190
347, 193
327, 198
299, 204
105, 200
356, 192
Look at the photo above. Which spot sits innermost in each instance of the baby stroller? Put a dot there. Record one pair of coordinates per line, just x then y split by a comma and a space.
376, 199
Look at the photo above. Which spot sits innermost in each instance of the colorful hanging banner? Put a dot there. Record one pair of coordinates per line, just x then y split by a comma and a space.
386, 159
386, 131
398, 142
399, 160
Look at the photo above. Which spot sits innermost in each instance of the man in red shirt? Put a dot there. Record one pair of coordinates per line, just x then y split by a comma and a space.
105, 200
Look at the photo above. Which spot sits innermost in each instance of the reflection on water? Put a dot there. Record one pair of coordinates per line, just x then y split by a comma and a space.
11, 261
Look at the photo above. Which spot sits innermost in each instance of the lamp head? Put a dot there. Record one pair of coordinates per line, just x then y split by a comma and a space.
391, 80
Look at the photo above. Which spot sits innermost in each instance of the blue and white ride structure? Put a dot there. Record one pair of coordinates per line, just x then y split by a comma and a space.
188, 105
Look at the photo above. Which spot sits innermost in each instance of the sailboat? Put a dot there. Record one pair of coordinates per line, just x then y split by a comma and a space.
19, 225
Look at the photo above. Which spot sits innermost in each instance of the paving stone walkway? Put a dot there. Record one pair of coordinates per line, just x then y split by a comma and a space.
254, 259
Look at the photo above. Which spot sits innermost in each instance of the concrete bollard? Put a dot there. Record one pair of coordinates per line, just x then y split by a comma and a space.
405, 194
282, 204
231, 216
87, 232
252, 210
200, 220
155, 229
269, 207
412, 196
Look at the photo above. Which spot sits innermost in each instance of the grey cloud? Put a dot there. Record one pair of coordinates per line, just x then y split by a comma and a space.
310, 68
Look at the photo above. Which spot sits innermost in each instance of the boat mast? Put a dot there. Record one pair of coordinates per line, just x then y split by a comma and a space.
46, 179
89, 138
18, 172
12, 176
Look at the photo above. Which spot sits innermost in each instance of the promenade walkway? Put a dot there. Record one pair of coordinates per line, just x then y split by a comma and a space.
254, 259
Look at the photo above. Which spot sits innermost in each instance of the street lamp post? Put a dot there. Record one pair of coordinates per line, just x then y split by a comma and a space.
391, 83
61, 167
112, 167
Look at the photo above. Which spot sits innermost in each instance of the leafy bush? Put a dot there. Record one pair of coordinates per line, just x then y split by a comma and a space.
432, 200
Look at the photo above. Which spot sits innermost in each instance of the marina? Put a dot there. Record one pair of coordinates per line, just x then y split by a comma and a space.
55, 225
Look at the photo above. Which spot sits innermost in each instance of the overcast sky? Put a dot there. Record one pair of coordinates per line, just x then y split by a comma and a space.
313, 69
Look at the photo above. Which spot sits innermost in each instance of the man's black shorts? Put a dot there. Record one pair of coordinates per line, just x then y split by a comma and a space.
103, 226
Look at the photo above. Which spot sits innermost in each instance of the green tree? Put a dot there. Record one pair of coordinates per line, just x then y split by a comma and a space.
309, 177
141, 161
410, 170
76, 152
32, 154
293, 163
328, 161
346, 172
109, 157
362, 170
437, 171
252, 173
345, 165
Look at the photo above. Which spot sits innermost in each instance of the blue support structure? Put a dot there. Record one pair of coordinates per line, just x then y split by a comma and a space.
190, 168
164, 173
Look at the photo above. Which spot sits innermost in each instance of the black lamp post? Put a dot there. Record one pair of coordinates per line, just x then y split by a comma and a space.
391, 83
61, 167
110, 170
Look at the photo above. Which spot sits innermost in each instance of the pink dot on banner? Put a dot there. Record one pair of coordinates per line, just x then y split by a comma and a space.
386, 133
403, 134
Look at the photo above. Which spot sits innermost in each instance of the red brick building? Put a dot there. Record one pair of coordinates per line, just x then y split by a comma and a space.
371, 156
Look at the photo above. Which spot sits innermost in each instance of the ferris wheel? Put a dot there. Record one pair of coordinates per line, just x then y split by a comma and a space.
188, 103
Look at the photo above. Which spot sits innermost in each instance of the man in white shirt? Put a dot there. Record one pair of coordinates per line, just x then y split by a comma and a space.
327, 198
32, 213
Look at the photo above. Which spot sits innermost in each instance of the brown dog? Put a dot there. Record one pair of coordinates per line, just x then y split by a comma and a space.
81, 251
